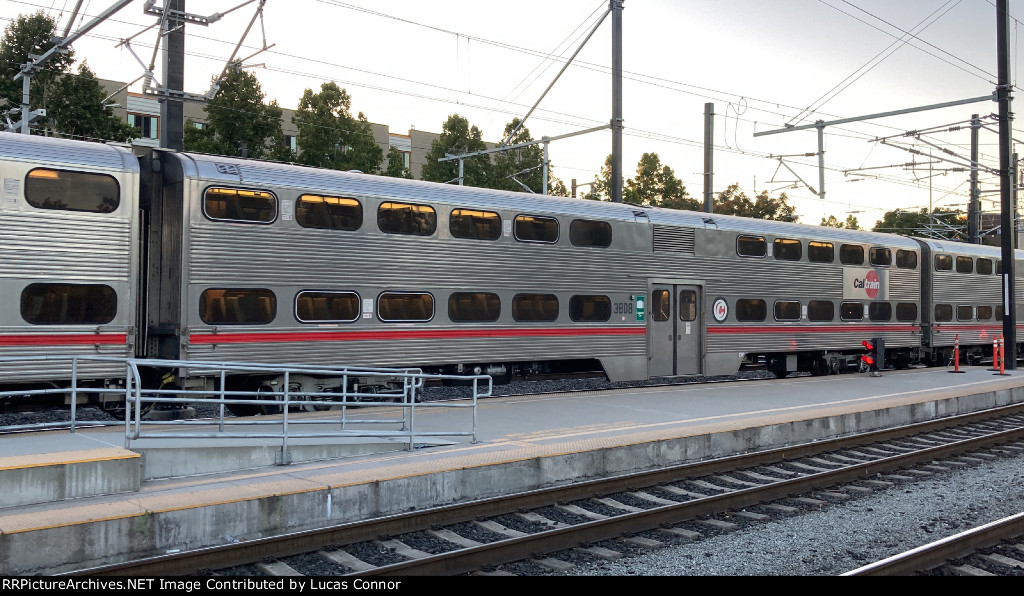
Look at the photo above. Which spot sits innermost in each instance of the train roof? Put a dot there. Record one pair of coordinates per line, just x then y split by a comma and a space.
57, 152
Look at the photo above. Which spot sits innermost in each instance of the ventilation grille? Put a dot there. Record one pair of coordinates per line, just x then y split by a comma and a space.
673, 239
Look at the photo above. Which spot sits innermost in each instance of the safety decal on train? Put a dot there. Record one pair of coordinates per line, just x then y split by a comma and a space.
865, 284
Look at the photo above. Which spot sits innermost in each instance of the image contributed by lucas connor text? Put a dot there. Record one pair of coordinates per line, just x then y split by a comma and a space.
206, 584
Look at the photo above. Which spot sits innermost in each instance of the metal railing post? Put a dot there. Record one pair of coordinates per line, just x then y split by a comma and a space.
74, 392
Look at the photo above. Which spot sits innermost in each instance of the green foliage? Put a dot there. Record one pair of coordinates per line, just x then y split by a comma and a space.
851, 222
396, 165
74, 109
525, 164
654, 185
917, 223
733, 201
239, 122
458, 137
330, 137
26, 35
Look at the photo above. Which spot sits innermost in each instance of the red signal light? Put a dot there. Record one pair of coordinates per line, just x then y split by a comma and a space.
867, 345
868, 360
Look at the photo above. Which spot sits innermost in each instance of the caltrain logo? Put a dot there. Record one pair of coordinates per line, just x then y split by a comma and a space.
869, 283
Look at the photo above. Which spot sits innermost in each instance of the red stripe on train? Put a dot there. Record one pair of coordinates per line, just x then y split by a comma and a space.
63, 339
291, 336
852, 328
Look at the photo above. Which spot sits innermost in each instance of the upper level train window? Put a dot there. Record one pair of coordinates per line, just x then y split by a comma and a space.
943, 262
590, 308
984, 266
535, 307
751, 309
72, 191
906, 311
751, 246
406, 218
880, 311
530, 228
821, 252
964, 312
999, 267
585, 232
475, 225
880, 257
787, 310
234, 306
943, 312
786, 249
60, 304
906, 259
964, 265
327, 307
328, 213
851, 311
851, 254
474, 307
233, 204
688, 305
661, 305
821, 311
398, 307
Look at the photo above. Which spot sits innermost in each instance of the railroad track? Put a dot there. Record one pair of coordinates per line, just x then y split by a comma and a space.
544, 531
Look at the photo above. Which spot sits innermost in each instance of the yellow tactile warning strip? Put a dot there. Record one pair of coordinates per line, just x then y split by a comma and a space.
65, 458
522, 448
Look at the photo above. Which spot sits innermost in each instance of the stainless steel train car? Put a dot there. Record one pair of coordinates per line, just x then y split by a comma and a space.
186, 256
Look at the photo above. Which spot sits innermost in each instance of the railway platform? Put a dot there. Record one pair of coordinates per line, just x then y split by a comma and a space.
74, 501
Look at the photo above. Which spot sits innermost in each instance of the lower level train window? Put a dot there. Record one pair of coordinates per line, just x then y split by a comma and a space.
787, 310
590, 308
72, 191
943, 312
964, 312
751, 309
880, 311
906, 312
327, 307
237, 306
984, 313
59, 304
474, 307
851, 311
821, 311
395, 307
535, 307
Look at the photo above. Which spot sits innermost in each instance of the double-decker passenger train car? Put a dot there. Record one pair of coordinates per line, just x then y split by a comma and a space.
199, 257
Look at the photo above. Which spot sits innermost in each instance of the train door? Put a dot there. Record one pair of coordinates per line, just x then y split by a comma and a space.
676, 329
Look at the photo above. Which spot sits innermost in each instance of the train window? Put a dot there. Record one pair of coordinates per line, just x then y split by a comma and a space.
406, 218
237, 306
999, 312
751, 309
964, 265
530, 228
328, 213
585, 232
751, 246
66, 304
233, 204
786, 249
474, 307
851, 311
661, 305
984, 313
851, 254
535, 307
72, 191
326, 307
405, 307
999, 267
688, 305
880, 311
821, 311
821, 252
964, 312
984, 266
906, 259
943, 312
475, 225
906, 311
590, 308
943, 262
787, 310
880, 257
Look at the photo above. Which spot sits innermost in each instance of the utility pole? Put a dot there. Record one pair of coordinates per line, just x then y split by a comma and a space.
172, 110
1006, 184
974, 207
709, 154
616, 191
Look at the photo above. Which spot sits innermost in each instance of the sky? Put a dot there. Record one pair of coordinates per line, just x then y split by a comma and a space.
764, 64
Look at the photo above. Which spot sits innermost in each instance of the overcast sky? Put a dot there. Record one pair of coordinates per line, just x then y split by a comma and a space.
762, 63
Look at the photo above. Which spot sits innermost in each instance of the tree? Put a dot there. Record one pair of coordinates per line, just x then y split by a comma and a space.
522, 164
330, 137
458, 137
30, 34
917, 223
74, 108
239, 122
733, 201
396, 164
655, 185
851, 222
